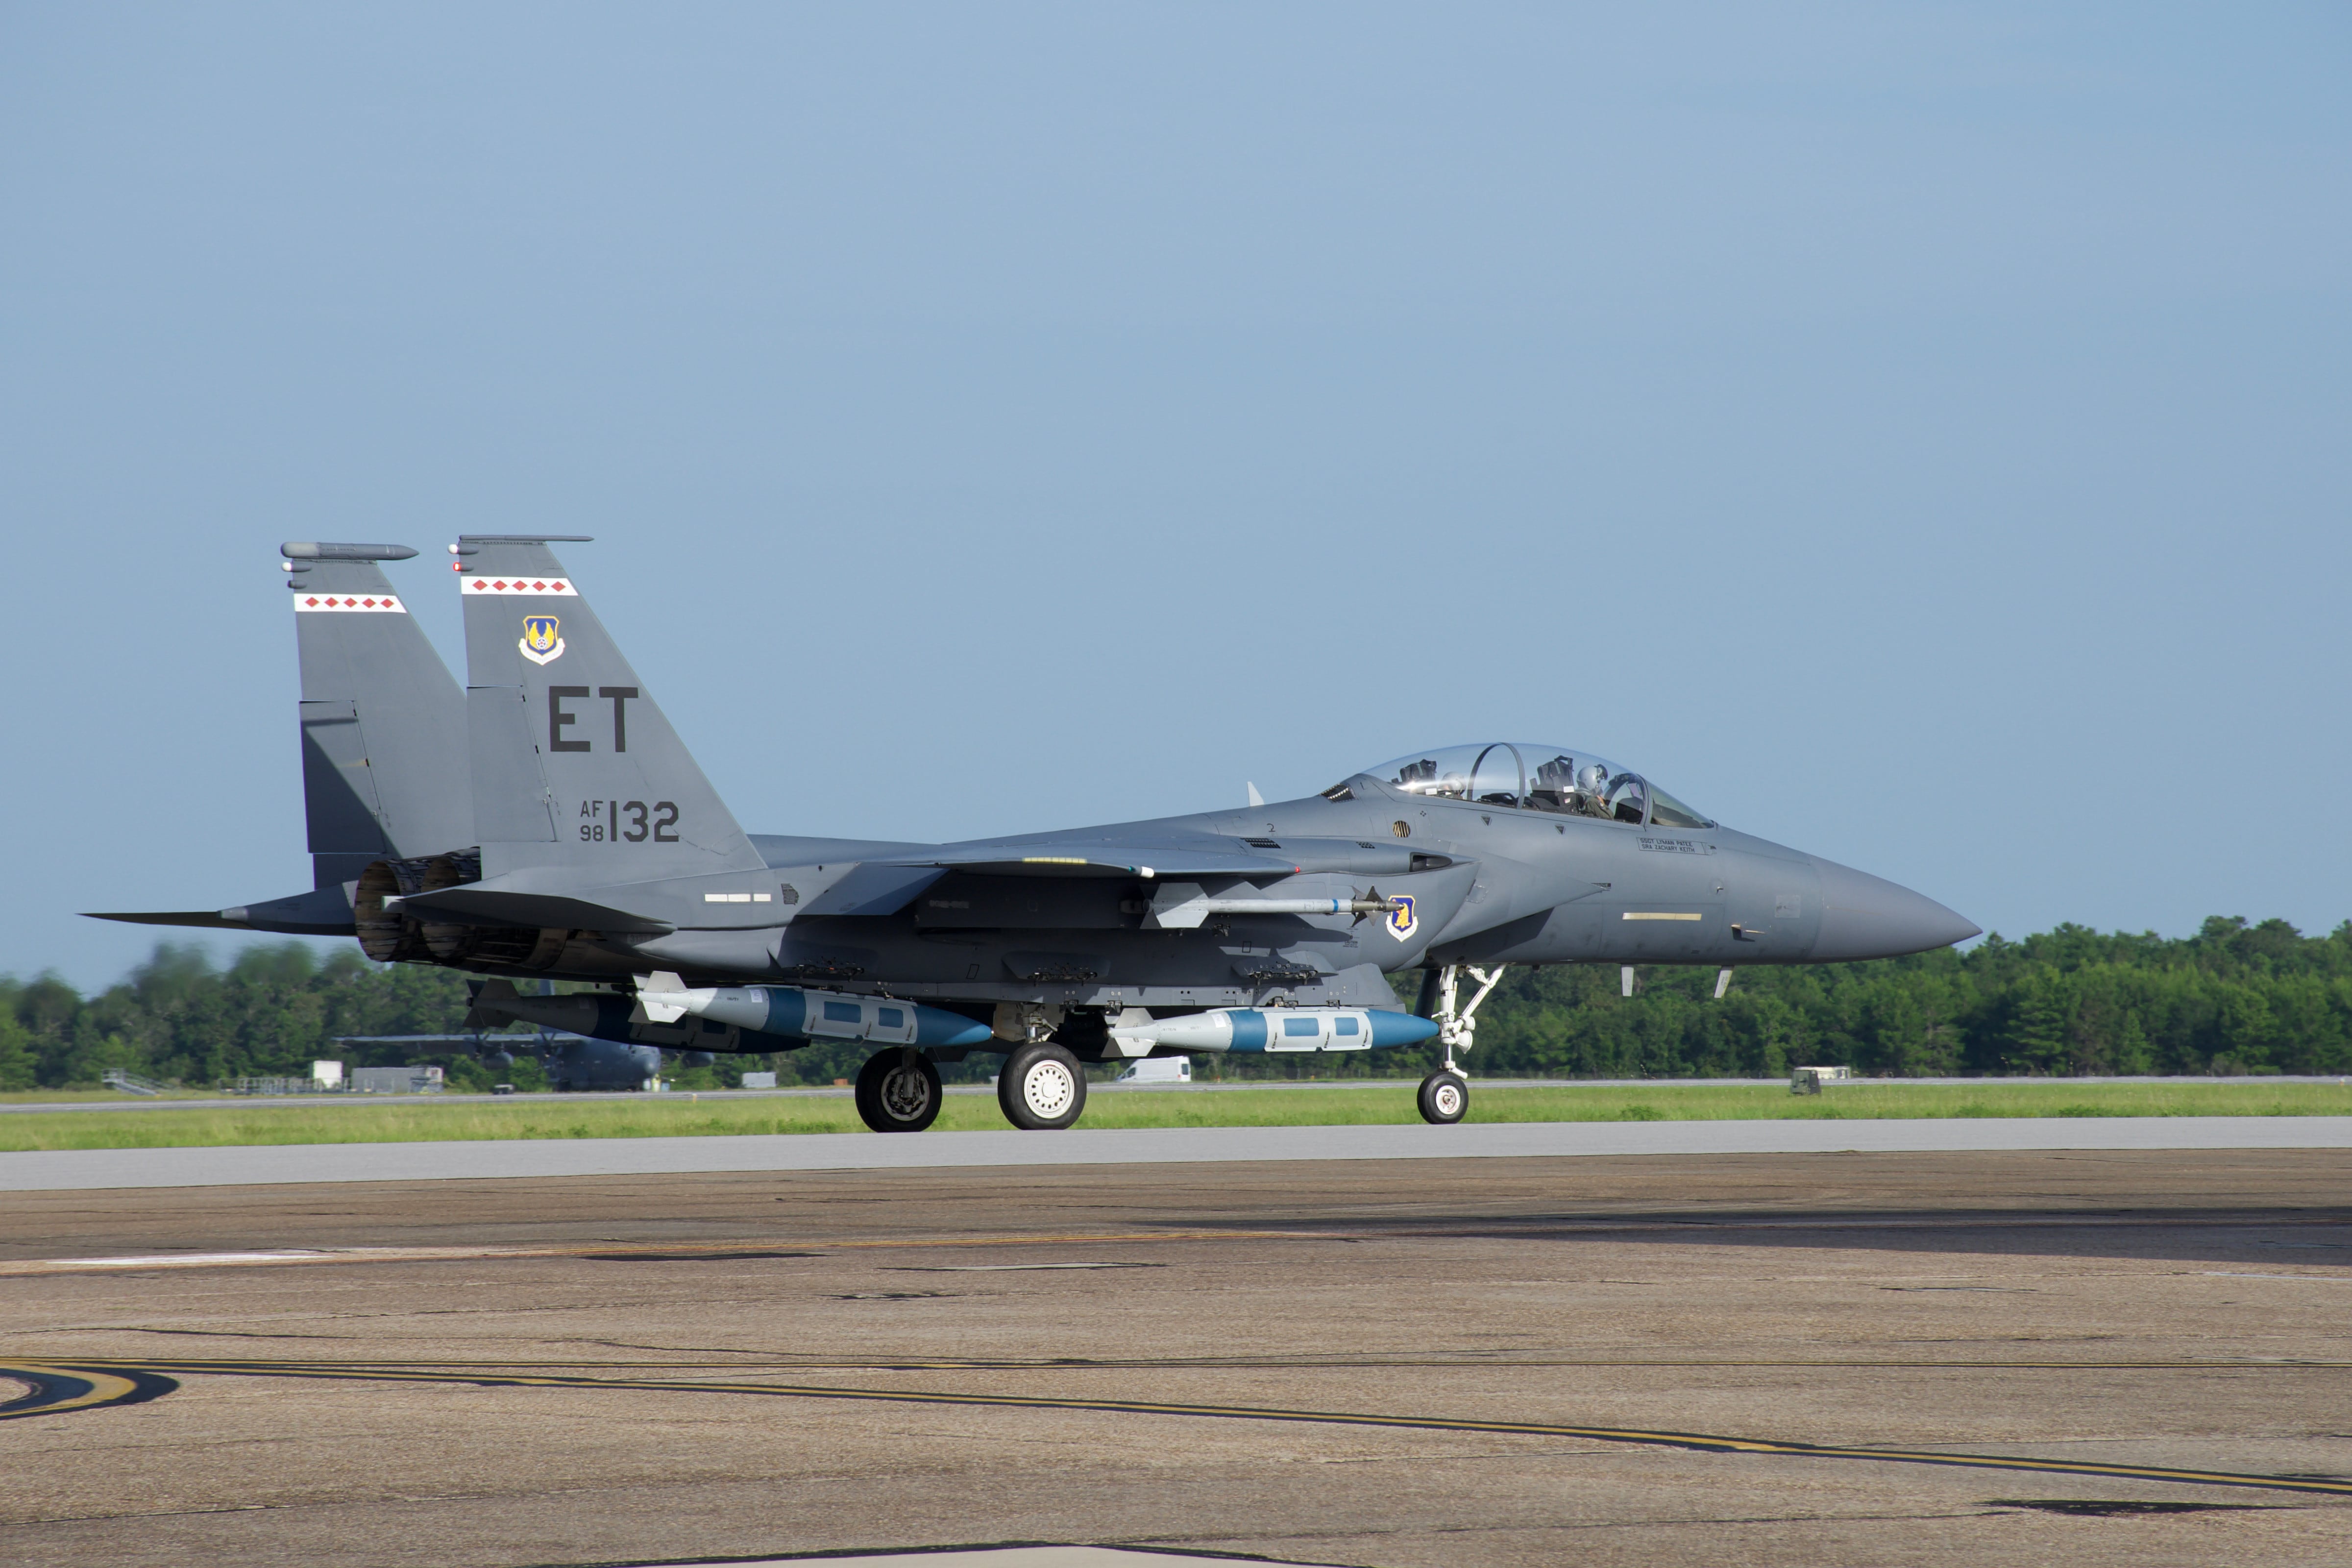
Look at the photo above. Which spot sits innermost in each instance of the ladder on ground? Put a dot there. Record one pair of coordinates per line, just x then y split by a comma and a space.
130, 1082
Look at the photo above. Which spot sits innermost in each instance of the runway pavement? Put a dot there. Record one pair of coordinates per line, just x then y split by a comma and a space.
79, 1169
1000, 1557
2016, 1356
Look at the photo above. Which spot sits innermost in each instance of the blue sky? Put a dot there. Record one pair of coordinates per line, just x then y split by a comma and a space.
1914, 434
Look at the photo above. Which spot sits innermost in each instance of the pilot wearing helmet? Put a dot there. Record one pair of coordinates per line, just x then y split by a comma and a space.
1592, 796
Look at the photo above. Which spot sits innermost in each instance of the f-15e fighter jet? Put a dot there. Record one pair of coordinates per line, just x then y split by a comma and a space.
547, 824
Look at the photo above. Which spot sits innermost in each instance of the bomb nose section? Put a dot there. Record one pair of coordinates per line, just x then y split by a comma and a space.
1864, 916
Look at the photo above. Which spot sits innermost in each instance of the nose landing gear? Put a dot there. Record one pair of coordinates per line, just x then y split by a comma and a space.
1445, 1093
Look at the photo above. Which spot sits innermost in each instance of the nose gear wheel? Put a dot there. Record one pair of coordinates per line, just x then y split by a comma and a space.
1444, 1097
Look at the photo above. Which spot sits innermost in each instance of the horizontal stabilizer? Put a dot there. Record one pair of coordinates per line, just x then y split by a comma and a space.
322, 911
490, 906
210, 919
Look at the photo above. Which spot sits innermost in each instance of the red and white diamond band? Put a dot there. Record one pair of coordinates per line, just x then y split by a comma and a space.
528, 588
365, 604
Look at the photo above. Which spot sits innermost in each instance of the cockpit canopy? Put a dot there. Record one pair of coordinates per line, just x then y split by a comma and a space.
1562, 779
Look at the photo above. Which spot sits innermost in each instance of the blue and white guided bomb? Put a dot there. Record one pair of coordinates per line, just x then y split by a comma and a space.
808, 1015
1136, 1033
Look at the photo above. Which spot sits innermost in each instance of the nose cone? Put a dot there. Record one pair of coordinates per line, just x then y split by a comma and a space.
1864, 916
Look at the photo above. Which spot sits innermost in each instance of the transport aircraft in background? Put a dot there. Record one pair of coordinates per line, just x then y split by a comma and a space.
547, 824
572, 1063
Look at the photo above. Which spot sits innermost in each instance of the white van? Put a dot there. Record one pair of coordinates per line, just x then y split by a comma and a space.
1157, 1069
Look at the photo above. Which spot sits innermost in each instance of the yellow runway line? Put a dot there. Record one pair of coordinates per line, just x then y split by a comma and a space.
57, 1389
155, 1371
754, 1361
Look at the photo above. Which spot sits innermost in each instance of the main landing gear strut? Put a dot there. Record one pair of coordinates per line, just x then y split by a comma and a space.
1445, 1093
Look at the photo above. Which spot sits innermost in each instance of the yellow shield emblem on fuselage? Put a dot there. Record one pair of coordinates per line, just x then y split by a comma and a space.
1402, 922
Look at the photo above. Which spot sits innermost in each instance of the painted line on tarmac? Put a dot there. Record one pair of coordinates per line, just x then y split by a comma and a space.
157, 1375
75, 1170
619, 1252
1495, 1227
1462, 1360
58, 1389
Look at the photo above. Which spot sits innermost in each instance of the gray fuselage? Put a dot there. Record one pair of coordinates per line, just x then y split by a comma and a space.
1487, 884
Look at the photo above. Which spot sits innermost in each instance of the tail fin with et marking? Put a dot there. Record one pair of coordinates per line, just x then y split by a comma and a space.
574, 766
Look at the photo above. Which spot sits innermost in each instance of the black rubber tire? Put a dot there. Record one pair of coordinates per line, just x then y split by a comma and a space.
1444, 1097
898, 1090
1042, 1089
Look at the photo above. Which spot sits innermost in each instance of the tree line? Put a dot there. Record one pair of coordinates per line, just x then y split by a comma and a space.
2237, 997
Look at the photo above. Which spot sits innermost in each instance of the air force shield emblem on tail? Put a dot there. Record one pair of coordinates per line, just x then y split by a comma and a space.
541, 640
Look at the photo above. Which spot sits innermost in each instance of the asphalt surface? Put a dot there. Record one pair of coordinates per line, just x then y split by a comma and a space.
519, 1159
2019, 1356
1000, 1557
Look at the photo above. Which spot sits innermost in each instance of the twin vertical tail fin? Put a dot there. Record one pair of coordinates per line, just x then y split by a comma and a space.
383, 748
384, 725
573, 763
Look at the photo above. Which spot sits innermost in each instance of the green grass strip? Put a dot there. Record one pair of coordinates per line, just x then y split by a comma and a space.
680, 1116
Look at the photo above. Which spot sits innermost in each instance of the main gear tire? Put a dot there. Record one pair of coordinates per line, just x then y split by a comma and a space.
1444, 1097
898, 1090
1042, 1089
